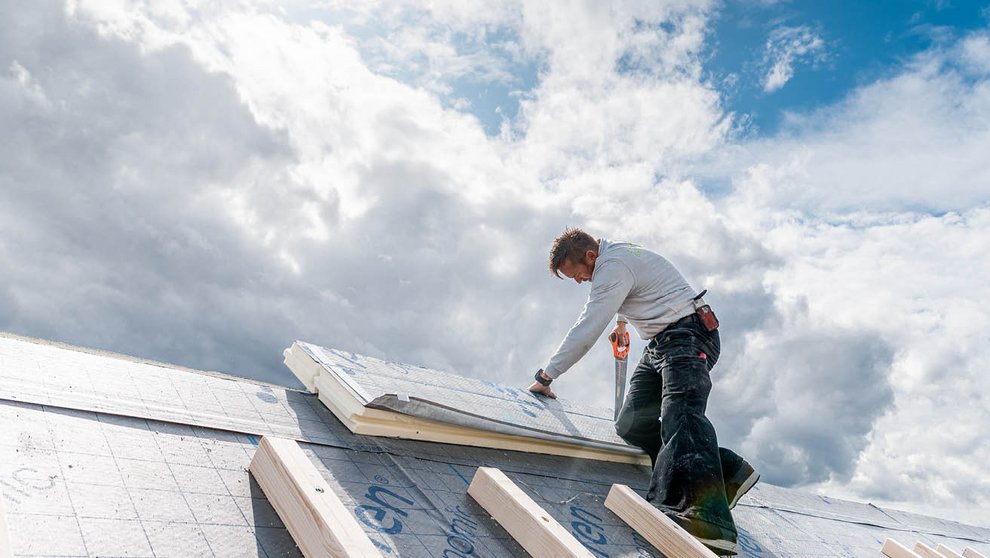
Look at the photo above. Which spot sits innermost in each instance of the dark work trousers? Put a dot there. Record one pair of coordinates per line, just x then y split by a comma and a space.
672, 381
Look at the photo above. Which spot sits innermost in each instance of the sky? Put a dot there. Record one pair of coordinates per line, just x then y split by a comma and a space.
204, 182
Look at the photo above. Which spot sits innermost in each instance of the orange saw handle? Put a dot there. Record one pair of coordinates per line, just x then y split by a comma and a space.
619, 352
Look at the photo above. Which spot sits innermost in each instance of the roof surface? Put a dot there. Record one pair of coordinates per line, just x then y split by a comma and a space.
107, 455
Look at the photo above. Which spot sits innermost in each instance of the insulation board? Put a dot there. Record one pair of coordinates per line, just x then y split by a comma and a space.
451, 399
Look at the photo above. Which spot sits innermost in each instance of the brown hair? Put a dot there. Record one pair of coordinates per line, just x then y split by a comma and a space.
572, 245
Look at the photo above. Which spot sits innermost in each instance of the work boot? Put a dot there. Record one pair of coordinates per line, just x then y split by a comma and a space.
739, 483
719, 540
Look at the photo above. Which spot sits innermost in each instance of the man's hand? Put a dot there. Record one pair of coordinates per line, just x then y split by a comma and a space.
542, 385
540, 389
620, 334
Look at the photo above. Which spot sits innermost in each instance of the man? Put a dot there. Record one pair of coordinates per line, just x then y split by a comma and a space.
694, 481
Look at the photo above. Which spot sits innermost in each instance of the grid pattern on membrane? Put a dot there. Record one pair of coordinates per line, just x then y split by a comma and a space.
47, 374
78, 483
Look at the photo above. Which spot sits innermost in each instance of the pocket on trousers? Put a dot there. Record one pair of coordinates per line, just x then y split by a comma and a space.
686, 371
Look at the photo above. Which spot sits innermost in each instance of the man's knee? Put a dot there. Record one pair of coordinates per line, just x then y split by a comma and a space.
624, 426
638, 431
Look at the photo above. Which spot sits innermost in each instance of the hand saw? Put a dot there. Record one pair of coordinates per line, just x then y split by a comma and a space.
621, 354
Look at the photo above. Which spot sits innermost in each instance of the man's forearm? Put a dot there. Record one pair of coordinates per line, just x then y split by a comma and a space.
607, 293
578, 342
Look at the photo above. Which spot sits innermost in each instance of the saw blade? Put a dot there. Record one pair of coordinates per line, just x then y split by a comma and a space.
620, 385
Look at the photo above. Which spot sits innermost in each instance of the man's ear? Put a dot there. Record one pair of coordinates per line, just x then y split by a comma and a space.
590, 256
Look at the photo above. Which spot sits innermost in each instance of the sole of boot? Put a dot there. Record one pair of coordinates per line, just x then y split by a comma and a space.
750, 481
721, 547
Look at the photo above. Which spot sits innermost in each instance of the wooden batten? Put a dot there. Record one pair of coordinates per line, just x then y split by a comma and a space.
528, 523
970, 553
947, 552
925, 551
653, 525
894, 549
316, 518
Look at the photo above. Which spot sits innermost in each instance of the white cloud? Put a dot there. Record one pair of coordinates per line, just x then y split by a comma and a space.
786, 47
917, 279
205, 182
911, 142
975, 53
30, 89
875, 211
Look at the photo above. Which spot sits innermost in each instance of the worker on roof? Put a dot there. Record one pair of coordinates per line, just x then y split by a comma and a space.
694, 482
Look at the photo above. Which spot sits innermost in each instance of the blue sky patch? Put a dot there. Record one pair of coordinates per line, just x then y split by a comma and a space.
860, 43
495, 100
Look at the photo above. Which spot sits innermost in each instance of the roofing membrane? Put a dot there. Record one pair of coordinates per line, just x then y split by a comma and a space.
106, 455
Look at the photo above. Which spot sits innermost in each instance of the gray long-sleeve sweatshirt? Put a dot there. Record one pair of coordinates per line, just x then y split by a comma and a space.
642, 287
